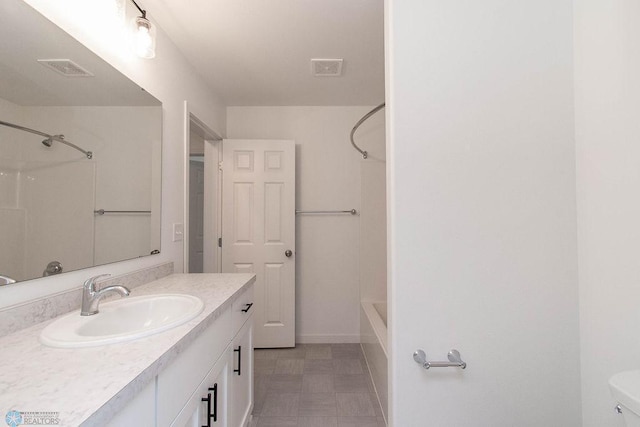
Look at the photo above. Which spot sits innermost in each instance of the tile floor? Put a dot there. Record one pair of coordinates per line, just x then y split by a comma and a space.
314, 385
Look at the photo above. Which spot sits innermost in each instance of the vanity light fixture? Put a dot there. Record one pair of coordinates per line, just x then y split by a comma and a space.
144, 41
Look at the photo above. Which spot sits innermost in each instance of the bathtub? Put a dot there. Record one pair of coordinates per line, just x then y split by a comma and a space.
373, 338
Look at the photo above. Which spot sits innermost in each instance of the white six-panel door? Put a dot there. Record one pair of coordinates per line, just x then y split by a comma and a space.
258, 231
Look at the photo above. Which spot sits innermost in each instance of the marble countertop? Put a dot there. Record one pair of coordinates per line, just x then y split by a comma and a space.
87, 386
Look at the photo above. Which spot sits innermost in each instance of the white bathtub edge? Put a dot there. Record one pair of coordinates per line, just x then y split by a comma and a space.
374, 346
379, 328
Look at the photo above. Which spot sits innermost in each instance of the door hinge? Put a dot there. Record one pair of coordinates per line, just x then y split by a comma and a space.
219, 166
219, 242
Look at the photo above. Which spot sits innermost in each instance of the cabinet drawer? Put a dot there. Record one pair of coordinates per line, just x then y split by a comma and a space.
242, 309
176, 382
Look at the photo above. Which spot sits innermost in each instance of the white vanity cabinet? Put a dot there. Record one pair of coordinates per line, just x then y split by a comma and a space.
208, 405
210, 383
241, 366
180, 380
240, 377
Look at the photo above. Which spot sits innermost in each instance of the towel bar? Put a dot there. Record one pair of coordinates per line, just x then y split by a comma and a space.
455, 360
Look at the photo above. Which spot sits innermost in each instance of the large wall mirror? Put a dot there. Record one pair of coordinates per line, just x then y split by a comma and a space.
62, 208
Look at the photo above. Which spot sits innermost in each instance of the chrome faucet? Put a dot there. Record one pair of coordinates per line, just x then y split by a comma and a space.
6, 280
91, 297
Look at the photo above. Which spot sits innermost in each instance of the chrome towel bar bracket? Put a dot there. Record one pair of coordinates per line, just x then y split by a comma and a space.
455, 360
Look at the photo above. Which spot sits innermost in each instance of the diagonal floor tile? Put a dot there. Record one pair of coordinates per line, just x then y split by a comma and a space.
318, 351
317, 422
263, 366
277, 422
314, 366
353, 383
317, 404
317, 383
347, 366
284, 384
347, 351
355, 405
289, 366
280, 405
358, 422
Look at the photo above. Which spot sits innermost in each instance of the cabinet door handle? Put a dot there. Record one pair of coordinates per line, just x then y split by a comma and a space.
215, 402
247, 308
207, 399
239, 351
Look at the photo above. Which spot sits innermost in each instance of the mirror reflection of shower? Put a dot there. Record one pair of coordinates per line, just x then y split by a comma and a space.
48, 142
49, 138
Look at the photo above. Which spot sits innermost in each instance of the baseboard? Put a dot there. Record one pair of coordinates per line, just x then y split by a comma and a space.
328, 339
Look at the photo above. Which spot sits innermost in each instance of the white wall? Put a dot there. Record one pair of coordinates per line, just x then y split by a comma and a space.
373, 230
370, 137
327, 178
170, 79
482, 212
607, 66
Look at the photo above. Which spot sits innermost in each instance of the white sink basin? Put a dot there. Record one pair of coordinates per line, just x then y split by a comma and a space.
121, 320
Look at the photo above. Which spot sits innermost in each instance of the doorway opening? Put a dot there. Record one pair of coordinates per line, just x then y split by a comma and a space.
202, 230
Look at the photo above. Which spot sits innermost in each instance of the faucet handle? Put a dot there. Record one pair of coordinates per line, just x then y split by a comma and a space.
90, 283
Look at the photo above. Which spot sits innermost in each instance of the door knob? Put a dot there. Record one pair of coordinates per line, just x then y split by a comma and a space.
288, 253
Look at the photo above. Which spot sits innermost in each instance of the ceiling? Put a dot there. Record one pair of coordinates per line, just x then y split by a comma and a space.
26, 36
258, 52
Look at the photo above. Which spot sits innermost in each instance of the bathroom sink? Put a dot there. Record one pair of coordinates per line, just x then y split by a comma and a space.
121, 320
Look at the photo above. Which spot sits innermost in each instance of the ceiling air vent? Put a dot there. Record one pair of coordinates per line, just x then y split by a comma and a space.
326, 67
66, 67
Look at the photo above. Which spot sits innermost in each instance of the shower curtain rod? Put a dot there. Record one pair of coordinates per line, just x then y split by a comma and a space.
361, 121
50, 138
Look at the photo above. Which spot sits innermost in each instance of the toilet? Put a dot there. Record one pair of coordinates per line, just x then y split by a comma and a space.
625, 388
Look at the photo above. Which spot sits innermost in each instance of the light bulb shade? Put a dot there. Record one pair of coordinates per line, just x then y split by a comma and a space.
144, 38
